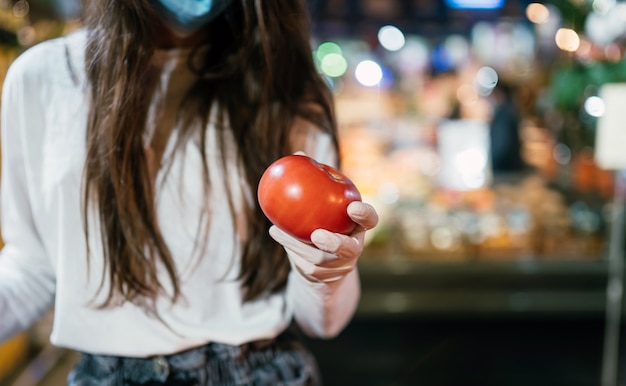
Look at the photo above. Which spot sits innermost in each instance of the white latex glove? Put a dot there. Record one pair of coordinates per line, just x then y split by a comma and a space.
332, 255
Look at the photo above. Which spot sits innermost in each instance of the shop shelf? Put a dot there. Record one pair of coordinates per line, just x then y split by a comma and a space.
399, 286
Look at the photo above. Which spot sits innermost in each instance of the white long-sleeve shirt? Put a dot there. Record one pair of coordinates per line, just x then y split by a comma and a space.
44, 260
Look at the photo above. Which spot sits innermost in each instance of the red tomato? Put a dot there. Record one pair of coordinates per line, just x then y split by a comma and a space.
300, 195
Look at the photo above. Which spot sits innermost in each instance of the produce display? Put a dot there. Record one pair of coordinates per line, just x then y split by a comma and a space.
546, 212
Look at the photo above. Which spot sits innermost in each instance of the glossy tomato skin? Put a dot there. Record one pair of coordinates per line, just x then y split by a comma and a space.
300, 195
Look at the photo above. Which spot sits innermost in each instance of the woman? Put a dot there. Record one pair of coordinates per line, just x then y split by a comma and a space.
132, 150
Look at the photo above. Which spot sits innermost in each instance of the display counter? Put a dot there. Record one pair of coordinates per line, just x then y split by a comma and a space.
399, 287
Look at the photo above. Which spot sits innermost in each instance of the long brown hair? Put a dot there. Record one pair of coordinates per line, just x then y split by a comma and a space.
258, 70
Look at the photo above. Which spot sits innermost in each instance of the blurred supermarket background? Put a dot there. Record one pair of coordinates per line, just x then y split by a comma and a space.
471, 125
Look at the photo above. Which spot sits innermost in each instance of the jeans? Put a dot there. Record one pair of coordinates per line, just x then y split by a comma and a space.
280, 362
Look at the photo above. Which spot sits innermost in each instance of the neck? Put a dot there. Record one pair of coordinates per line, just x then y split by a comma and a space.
168, 38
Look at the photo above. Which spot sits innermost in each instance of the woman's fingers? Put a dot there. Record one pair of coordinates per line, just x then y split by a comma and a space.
331, 249
363, 214
343, 246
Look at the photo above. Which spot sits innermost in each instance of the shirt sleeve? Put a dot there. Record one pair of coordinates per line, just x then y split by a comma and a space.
27, 280
321, 308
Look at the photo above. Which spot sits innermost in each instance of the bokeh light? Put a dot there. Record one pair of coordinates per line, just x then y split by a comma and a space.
466, 94
485, 81
567, 39
594, 106
562, 154
368, 73
457, 49
327, 48
334, 65
537, 13
603, 6
391, 38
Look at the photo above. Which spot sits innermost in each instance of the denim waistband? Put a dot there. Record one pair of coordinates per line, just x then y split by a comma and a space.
217, 357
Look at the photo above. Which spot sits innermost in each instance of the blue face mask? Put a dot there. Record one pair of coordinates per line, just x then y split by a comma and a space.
188, 16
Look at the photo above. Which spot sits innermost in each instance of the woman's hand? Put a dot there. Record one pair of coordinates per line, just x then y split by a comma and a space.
331, 255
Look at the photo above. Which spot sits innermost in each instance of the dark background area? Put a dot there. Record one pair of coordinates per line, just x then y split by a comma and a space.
459, 351
487, 324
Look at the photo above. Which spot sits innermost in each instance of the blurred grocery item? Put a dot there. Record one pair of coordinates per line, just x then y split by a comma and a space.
12, 355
